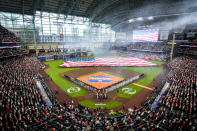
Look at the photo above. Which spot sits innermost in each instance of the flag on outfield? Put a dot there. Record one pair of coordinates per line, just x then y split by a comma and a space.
109, 61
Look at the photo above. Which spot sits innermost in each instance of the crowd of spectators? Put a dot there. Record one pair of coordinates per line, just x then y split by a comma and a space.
11, 52
181, 98
186, 50
149, 46
149, 56
150, 51
22, 106
64, 51
7, 37
20, 97
50, 52
187, 34
184, 84
177, 108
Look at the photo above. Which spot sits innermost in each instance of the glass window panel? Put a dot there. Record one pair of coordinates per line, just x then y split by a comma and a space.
73, 28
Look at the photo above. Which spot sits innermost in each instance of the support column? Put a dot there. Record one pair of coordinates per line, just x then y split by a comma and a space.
37, 51
24, 28
172, 48
34, 35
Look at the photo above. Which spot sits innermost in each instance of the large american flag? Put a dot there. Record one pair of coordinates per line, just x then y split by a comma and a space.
146, 35
109, 61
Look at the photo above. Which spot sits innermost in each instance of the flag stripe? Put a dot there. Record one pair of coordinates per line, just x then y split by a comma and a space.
110, 61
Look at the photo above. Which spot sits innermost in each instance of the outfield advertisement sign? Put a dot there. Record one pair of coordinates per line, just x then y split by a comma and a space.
43, 93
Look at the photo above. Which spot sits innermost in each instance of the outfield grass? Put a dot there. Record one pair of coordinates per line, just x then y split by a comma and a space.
54, 70
55, 66
109, 105
150, 72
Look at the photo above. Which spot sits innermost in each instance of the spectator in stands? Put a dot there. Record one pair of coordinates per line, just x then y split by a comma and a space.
22, 106
7, 37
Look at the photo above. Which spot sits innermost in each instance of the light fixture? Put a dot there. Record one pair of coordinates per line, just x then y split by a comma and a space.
131, 20
150, 17
139, 18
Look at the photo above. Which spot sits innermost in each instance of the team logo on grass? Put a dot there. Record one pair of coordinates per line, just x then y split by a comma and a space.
100, 80
129, 91
73, 90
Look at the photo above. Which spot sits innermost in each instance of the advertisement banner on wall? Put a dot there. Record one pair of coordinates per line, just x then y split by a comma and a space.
60, 46
39, 47
31, 47
46, 47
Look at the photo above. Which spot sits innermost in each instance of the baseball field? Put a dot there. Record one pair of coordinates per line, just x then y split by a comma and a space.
132, 94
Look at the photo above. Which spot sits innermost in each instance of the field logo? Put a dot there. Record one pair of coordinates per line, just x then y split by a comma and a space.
100, 80
129, 91
73, 90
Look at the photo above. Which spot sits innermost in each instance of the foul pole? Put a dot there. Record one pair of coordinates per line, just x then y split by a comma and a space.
172, 48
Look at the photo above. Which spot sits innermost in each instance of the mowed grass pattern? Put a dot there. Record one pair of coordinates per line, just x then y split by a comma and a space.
54, 70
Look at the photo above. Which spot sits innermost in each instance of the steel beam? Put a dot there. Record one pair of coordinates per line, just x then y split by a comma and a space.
74, 3
99, 8
42, 4
61, 5
24, 30
133, 12
89, 8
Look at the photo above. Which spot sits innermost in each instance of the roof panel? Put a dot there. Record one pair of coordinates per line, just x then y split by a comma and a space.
105, 11
80, 7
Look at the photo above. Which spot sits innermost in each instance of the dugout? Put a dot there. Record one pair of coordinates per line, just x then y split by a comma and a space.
46, 58
61, 56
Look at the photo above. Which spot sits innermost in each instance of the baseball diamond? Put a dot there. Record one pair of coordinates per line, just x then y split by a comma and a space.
100, 80
98, 65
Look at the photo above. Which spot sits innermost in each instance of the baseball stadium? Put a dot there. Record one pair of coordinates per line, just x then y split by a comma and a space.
98, 65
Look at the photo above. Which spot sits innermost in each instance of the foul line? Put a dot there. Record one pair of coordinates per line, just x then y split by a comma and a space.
143, 86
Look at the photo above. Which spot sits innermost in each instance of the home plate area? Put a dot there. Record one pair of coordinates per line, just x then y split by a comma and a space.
99, 78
